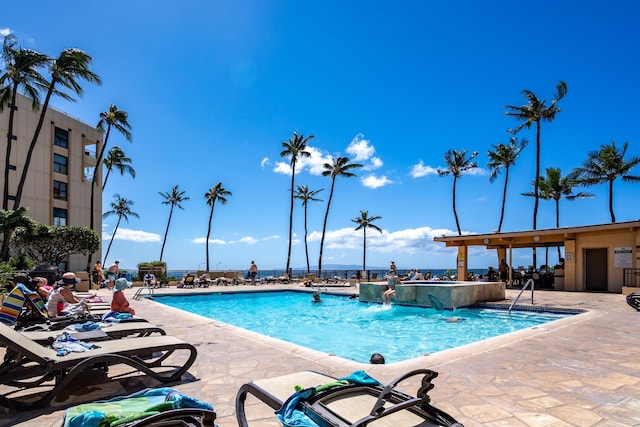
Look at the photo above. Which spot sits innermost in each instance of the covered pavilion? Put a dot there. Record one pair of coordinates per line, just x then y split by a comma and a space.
595, 256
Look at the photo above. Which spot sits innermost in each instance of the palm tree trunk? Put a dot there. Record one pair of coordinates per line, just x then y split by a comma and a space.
104, 262
7, 161
504, 196
364, 250
536, 184
106, 177
93, 188
32, 146
209, 234
613, 217
293, 175
455, 213
306, 247
166, 232
4, 252
324, 226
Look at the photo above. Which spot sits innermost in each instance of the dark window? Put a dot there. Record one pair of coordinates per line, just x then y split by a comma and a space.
59, 190
60, 164
61, 138
59, 217
12, 167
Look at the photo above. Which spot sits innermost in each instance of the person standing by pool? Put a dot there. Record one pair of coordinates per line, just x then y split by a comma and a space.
97, 273
253, 272
393, 269
112, 273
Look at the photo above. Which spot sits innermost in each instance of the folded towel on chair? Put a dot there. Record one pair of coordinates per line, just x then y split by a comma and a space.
124, 409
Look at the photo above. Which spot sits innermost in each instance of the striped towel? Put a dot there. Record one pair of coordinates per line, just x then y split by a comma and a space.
12, 305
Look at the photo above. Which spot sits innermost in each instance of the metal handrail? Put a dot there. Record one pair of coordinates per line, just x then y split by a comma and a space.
515, 300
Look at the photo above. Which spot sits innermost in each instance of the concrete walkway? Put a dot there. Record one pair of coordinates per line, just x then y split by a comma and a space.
582, 371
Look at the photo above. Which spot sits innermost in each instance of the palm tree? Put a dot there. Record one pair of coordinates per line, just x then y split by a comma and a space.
364, 221
122, 209
536, 111
293, 148
21, 71
9, 221
174, 199
339, 167
303, 193
117, 159
504, 156
457, 163
118, 120
66, 70
555, 187
215, 193
607, 165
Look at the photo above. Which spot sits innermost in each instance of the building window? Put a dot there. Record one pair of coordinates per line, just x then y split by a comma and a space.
59, 217
60, 164
61, 138
59, 190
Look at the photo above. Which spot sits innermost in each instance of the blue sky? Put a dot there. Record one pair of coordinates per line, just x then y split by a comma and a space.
213, 88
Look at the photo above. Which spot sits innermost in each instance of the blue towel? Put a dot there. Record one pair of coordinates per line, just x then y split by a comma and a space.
87, 326
290, 414
66, 344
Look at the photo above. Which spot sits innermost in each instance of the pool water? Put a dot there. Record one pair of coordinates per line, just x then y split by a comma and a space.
354, 330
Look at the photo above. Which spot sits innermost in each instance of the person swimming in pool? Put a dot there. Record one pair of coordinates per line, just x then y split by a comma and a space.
316, 297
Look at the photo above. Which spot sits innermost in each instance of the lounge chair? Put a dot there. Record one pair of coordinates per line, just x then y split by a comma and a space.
113, 331
154, 406
356, 400
189, 281
29, 366
633, 299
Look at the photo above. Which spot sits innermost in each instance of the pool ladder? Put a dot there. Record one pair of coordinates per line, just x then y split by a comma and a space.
138, 293
524, 288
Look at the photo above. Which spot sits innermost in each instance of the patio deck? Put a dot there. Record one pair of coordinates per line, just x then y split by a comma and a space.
577, 372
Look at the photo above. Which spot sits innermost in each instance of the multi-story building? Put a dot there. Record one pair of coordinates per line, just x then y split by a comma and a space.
58, 186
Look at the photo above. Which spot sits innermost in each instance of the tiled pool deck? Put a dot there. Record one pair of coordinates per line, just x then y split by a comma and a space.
583, 371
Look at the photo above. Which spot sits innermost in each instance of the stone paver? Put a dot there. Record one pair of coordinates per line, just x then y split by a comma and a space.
582, 371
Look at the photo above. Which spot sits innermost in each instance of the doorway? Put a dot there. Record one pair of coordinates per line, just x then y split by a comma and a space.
596, 269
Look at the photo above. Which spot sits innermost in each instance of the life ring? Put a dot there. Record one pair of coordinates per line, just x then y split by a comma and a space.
633, 299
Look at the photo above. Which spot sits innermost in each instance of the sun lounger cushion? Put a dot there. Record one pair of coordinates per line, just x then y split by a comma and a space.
126, 409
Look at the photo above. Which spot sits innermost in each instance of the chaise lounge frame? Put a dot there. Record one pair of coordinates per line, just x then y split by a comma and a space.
28, 365
351, 405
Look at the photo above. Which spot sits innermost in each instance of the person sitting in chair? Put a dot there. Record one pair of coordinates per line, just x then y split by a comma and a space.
150, 280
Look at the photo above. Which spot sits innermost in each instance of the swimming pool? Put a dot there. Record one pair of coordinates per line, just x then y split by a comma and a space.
354, 330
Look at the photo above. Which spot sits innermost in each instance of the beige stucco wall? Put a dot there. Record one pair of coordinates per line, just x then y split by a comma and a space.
38, 190
606, 239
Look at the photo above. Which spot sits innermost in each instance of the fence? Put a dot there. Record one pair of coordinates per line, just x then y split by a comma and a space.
631, 277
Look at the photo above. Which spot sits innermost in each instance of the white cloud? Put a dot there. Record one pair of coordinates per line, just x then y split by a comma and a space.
5, 32
374, 164
373, 181
360, 148
313, 164
410, 240
202, 240
265, 162
420, 170
132, 235
248, 240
